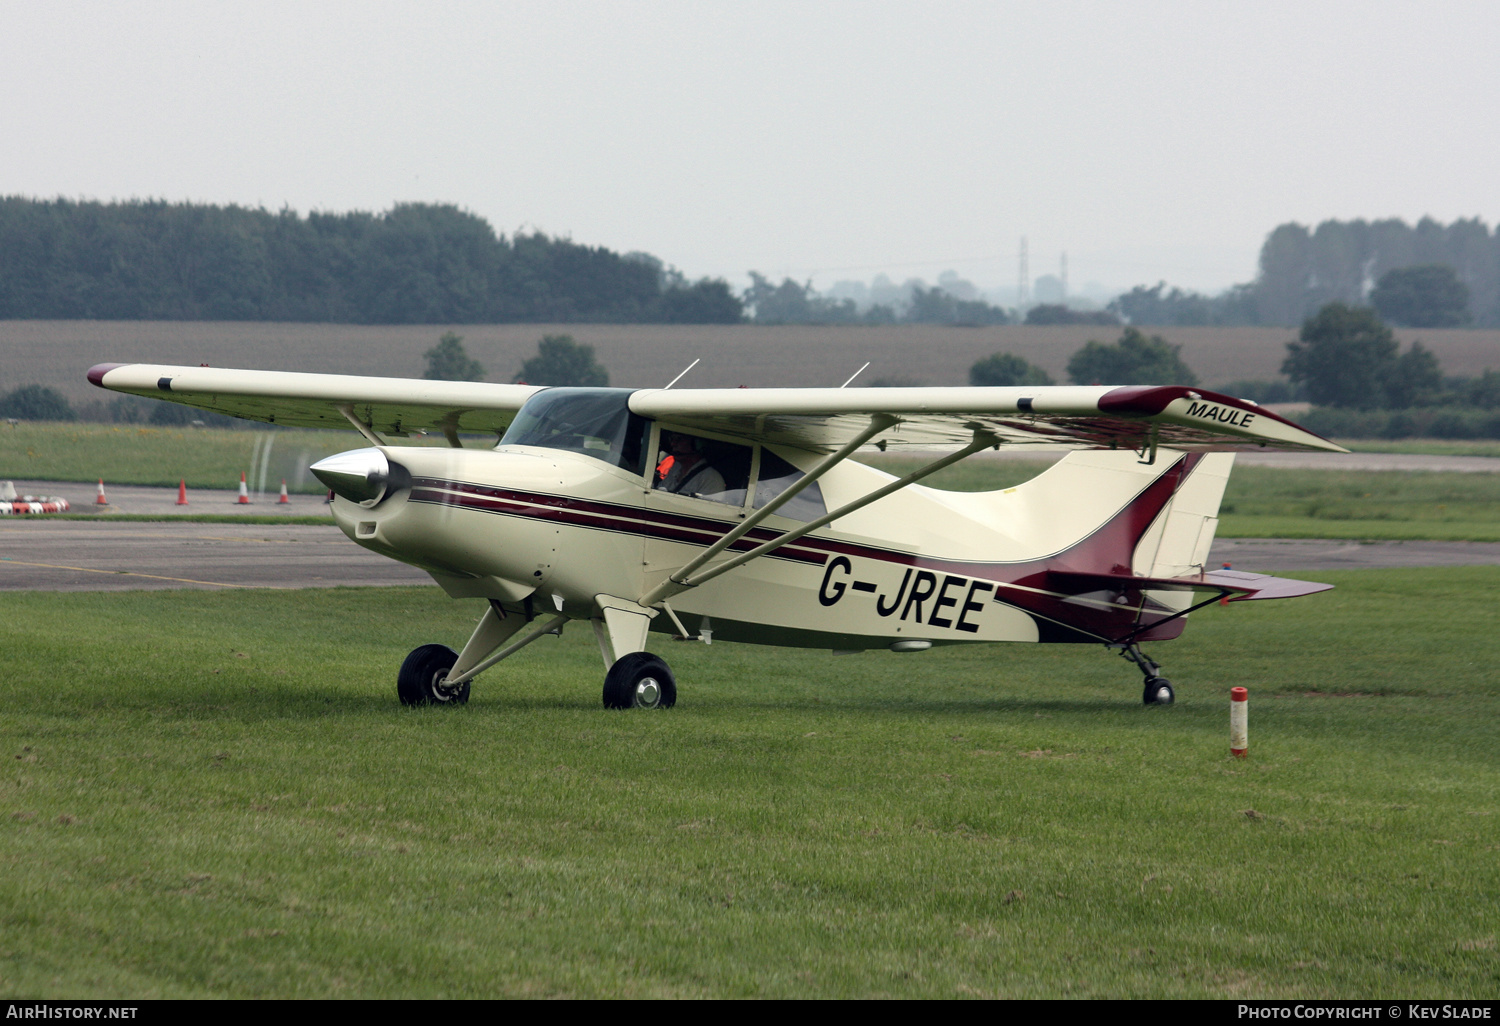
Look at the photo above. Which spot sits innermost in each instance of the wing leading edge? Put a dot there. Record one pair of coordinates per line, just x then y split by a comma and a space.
1050, 417
391, 406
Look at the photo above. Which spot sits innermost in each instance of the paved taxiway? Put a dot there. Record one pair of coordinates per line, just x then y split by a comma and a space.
100, 555
82, 498
103, 555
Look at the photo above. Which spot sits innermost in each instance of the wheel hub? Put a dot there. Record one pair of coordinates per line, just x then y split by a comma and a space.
441, 690
647, 693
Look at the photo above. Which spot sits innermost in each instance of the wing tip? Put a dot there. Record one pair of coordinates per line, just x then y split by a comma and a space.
98, 370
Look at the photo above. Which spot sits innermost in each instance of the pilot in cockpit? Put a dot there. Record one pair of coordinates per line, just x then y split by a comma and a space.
689, 472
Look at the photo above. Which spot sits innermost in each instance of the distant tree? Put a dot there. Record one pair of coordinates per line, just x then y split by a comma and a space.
939, 306
447, 361
1262, 391
1007, 369
709, 301
1134, 360
561, 361
791, 303
1345, 355
1302, 270
1415, 378
1056, 313
1483, 391
36, 402
1157, 306
1424, 296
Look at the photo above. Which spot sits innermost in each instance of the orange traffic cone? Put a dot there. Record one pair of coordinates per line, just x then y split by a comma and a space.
244, 499
101, 500
283, 501
182, 492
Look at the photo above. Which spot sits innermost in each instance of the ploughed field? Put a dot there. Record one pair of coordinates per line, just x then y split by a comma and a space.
59, 353
217, 795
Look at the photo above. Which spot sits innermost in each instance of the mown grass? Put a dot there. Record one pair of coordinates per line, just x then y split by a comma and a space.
1270, 502
1264, 502
1425, 446
145, 455
217, 795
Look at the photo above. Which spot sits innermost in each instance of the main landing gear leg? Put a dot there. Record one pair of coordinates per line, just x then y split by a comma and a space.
1157, 690
636, 679
436, 675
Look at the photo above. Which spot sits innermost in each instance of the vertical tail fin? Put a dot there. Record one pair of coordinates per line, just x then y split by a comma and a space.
1105, 511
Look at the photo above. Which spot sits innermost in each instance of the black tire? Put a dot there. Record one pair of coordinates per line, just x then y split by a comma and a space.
1158, 691
423, 678
639, 680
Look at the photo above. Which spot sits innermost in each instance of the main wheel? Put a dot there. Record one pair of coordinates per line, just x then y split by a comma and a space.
423, 679
1158, 691
639, 680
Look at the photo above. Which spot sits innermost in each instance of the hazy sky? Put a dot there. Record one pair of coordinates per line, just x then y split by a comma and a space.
815, 139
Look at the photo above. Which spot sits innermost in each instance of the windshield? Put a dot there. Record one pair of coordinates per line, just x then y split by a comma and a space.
592, 421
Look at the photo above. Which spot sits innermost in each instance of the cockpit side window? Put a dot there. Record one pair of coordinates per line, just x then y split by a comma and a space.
704, 468
776, 476
593, 421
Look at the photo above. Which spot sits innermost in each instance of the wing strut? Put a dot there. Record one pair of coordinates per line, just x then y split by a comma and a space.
368, 430
682, 580
674, 584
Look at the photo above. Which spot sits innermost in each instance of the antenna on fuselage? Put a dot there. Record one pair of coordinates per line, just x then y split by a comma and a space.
684, 371
855, 375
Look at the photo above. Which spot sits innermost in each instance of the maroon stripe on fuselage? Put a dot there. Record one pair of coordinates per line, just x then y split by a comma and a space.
600, 516
708, 525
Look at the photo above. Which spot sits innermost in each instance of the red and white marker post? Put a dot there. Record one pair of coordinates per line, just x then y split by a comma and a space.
244, 499
1239, 728
283, 501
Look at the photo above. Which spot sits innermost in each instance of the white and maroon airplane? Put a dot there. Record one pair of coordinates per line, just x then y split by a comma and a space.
743, 512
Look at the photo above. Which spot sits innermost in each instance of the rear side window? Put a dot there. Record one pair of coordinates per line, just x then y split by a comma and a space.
776, 476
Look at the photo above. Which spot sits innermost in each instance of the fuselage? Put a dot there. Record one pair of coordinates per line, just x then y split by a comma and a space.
544, 529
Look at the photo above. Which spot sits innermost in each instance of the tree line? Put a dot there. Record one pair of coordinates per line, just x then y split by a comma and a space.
413, 264
1429, 275
434, 263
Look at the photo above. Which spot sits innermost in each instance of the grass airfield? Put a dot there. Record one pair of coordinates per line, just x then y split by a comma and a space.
218, 795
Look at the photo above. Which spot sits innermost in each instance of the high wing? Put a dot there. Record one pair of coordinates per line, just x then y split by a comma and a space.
390, 406
817, 419
1045, 417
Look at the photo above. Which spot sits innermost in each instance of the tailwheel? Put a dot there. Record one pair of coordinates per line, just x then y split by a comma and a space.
639, 680
1158, 691
423, 679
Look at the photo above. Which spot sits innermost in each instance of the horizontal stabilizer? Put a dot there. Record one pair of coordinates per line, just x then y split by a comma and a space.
1242, 586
